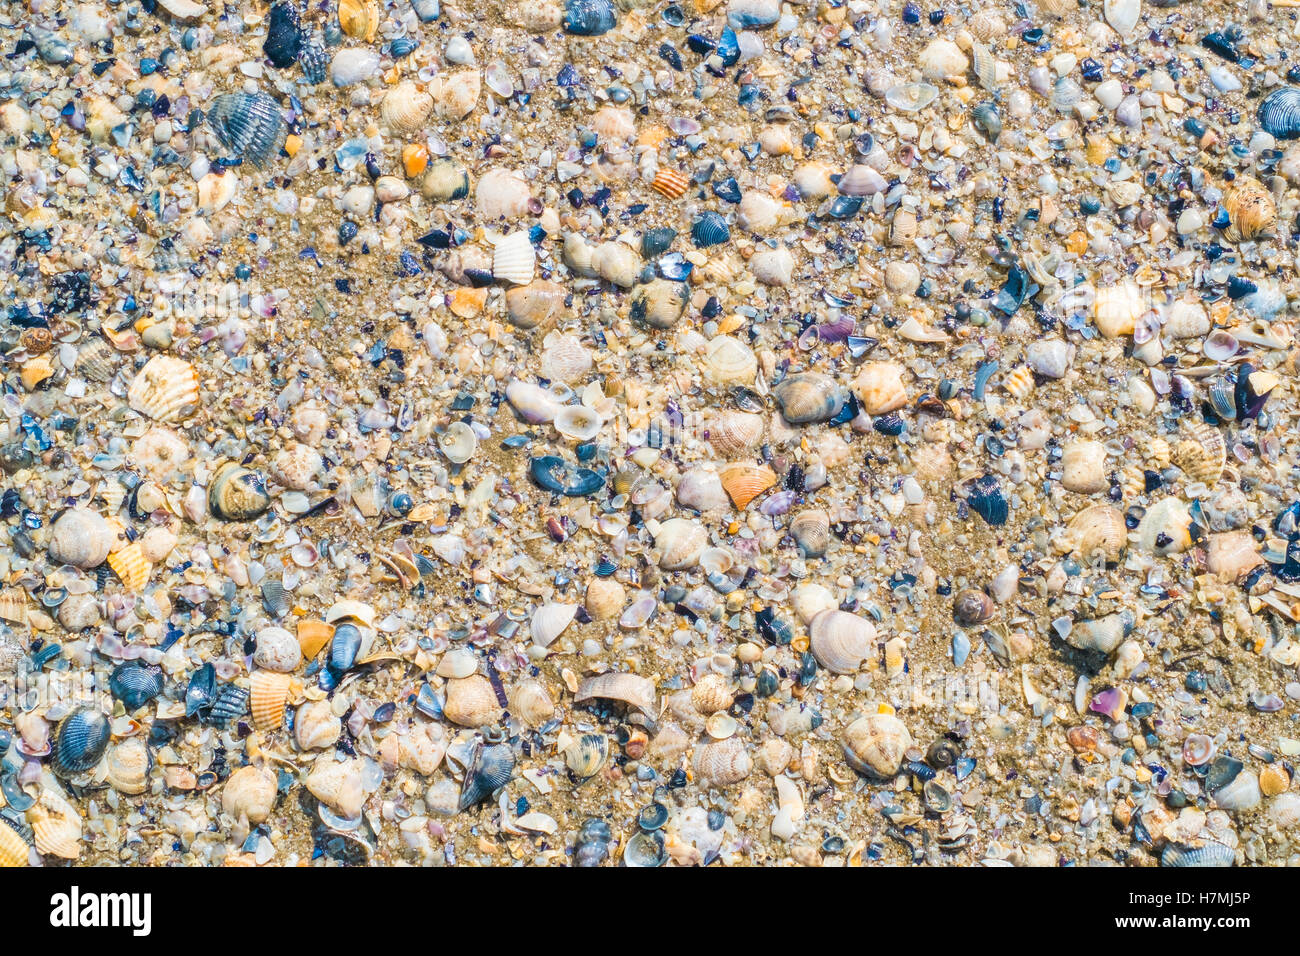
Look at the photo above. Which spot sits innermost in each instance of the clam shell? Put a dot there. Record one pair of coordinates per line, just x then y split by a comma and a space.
1099, 530
732, 433
861, 181
744, 482
1104, 634
565, 359
405, 106
56, 827
550, 620
531, 702
81, 538
13, 845
811, 530
631, 689
680, 542
700, 489
587, 754
130, 566
1122, 15
659, 303
458, 442
875, 745
268, 695
277, 650
80, 740
670, 183
532, 403
809, 397
444, 180
166, 389
879, 387
840, 641
248, 125
1083, 468
513, 259
135, 684
296, 466
617, 263
773, 266
1279, 114
1210, 854
501, 194
490, 769
538, 303
359, 19
471, 702
722, 763
728, 361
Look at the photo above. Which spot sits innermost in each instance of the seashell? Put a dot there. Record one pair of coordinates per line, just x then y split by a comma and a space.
1019, 382
14, 846
810, 599
501, 194
616, 263
284, 35
587, 754
728, 361
1083, 468
166, 389
988, 121
1122, 15
1117, 307
345, 647
840, 641
96, 361
513, 259
135, 684
903, 227
130, 566
565, 359
733, 433
679, 542
532, 403
559, 477
81, 538
941, 60
744, 482
248, 125
183, 9
773, 267
812, 180
902, 277
614, 123
811, 530
578, 423
13, 605
550, 620
589, 18
760, 213
296, 465
237, 494
983, 63
1202, 455
711, 693
1098, 530
405, 106
80, 740
268, 695
1103, 634
313, 636
316, 726
875, 745
1211, 854
971, 607
277, 650
471, 702
531, 702
454, 97
490, 769
911, 97
1279, 114
1232, 555
861, 181
879, 387
56, 826
444, 181
337, 784
1187, 319
1197, 749
537, 303
722, 763
809, 397
709, 229
1251, 210
1166, 528
659, 303
129, 764
670, 183
631, 689
1050, 358
421, 750
721, 725
1242, 793
359, 19
458, 442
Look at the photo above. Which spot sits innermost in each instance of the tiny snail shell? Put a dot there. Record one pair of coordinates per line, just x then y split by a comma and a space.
808, 397
458, 442
237, 494
471, 702
587, 754
316, 726
879, 387
971, 607
80, 740
840, 641
249, 794
531, 702
129, 764
337, 784
711, 693
81, 538
875, 745
277, 650
723, 762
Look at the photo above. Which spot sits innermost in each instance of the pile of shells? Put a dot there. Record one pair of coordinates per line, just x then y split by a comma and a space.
630, 432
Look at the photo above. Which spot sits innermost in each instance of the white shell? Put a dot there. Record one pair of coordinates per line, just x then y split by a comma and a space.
578, 423
166, 389
841, 641
550, 620
514, 259
277, 650
405, 108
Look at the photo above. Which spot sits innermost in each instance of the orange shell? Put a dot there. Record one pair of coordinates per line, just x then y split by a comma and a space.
744, 482
13, 848
670, 183
129, 564
268, 695
313, 636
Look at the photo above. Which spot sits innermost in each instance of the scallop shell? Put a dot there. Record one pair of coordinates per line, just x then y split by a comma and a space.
565, 359
405, 106
531, 702
744, 482
129, 764
670, 183
130, 566
809, 397
1083, 467
471, 702
56, 826
268, 695
879, 387
1251, 210
733, 433
840, 641
1099, 529
711, 693
729, 361
722, 763
513, 259
550, 620
875, 745
249, 125
359, 19
166, 389
81, 538
1202, 455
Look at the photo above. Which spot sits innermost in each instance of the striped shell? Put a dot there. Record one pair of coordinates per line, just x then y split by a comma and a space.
13, 844
249, 125
166, 389
743, 482
629, 688
722, 763
471, 702
56, 827
565, 359
1211, 854
1279, 114
1099, 529
1158, 454
130, 566
729, 361
96, 361
405, 107
80, 740
13, 605
811, 531
268, 693
514, 259
531, 702
670, 183
1251, 210
1202, 455
359, 19
1019, 382
809, 397
535, 304
711, 693
129, 764
550, 620
732, 433
587, 754
841, 641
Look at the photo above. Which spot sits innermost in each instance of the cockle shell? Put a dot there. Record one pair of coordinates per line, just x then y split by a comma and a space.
659, 303
82, 538
166, 389
1103, 634
670, 183
811, 530
56, 826
337, 784
268, 695
455, 95
605, 598
513, 259
743, 482
248, 125
14, 850
731, 433
879, 387
79, 741
538, 303
130, 565
728, 361
501, 194
359, 19
722, 763
471, 702
316, 726
840, 641
532, 703
1166, 527
711, 693
679, 542
874, 745
614, 123
1202, 454
565, 359
405, 107
1099, 530
1083, 467
1251, 210
550, 620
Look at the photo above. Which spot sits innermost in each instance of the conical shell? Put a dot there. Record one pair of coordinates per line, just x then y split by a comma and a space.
841, 641
1202, 455
1099, 530
732, 433
744, 482
722, 763
513, 259
876, 744
268, 695
56, 826
405, 107
471, 702
166, 389
130, 566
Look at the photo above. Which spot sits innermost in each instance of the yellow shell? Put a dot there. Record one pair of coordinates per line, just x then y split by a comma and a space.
130, 566
1159, 454
166, 389
1117, 307
55, 826
268, 695
1250, 209
359, 19
1019, 382
471, 701
1099, 529
670, 183
13, 848
1202, 455
313, 635
744, 482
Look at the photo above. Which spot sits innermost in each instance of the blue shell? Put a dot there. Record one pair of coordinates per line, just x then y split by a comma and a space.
490, 770
1279, 114
345, 647
283, 35
752, 14
80, 741
402, 46
249, 125
201, 691
675, 266
314, 61
1212, 854
728, 48
559, 477
426, 10
135, 684
987, 500
657, 241
589, 18
231, 704
709, 229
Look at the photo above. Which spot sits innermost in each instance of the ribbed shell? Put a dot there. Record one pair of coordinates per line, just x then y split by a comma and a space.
733, 433
811, 531
1203, 454
405, 108
729, 361
471, 702
130, 566
723, 763
1279, 114
840, 641
230, 705
670, 183
514, 259
56, 827
744, 482
268, 696
13, 845
166, 389
79, 741
1099, 529
536, 303
97, 362
809, 397
249, 126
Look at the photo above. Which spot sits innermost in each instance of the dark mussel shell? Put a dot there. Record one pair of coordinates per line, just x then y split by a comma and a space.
135, 684
589, 18
249, 125
283, 35
80, 741
491, 769
230, 705
344, 647
655, 242
987, 500
201, 691
559, 477
1279, 114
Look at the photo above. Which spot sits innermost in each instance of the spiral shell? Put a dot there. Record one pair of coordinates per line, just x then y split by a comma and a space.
728, 361
130, 566
405, 107
879, 387
744, 482
732, 433
875, 745
711, 693
268, 695
1099, 530
80, 537
56, 826
337, 784
129, 764
237, 494
471, 702
722, 763
1251, 210
166, 389
840, 641
669, 183
809, 397
532, 703
1202, 455
811, 530
249, 125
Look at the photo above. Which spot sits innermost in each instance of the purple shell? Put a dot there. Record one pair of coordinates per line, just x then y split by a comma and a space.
778, 503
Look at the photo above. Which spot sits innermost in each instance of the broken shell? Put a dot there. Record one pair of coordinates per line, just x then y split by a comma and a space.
536, 304
744, 482
629, 688
237, 494
130, 566
565, 359
1202, 455
578, 423
337, 784
1117, 307
879, 387
1166, 528
840, 641
659, 303
550, 620
268, 694
1251, 210
166, 389
315, 726
56, 827
129, 764
1083, 467
296, 466
514, 259
1232, 555
875, 745
454, 97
